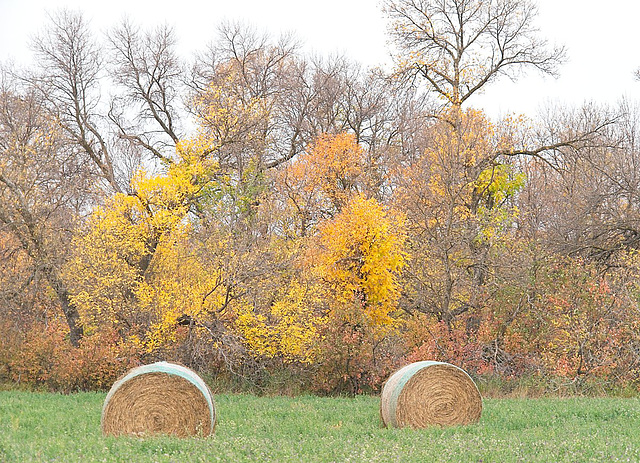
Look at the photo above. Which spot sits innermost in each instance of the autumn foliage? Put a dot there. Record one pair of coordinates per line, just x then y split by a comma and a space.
285, 224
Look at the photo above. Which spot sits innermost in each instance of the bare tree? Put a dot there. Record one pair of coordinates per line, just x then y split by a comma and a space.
69, 79
143, 116
459, 46
584, 200
145, 66
42, 186
240, 86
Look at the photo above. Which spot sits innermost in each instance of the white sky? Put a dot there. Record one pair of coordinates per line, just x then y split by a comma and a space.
601, 38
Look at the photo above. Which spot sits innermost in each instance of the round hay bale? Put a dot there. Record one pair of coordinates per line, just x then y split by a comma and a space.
424, 394
160, 398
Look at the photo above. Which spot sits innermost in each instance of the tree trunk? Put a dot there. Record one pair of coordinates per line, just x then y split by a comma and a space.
73, 318
68, 308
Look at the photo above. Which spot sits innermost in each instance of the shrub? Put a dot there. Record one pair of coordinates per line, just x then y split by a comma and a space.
46, 360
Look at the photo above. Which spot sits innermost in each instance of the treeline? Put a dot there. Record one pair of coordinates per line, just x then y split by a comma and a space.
278, 221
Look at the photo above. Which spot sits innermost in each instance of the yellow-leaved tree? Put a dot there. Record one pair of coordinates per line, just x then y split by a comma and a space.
149, 266
356, 258
132, 265
288, 329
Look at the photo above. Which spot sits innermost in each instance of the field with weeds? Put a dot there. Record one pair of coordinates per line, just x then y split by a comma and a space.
38, 427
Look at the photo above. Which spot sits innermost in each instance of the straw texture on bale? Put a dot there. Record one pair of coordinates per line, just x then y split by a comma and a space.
424, 394
160, 398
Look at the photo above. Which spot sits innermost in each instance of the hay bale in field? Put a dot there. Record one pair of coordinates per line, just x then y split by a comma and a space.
160, 398
424, 394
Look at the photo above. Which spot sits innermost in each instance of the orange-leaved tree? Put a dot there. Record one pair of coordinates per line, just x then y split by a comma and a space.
322, 180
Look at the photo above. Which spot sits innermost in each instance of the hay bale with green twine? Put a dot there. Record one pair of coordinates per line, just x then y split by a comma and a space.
160, 398
428, 393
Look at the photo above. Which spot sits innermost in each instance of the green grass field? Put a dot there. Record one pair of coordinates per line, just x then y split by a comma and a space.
57, 428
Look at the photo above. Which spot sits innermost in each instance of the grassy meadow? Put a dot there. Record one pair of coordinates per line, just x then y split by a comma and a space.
37, 427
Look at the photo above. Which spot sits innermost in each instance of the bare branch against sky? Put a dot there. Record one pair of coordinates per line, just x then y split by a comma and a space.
600, 65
